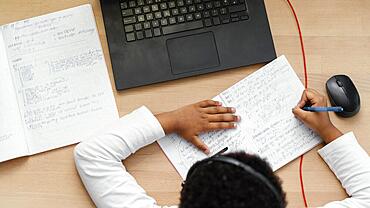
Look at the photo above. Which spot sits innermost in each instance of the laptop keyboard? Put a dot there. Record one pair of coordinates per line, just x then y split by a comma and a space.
143, 19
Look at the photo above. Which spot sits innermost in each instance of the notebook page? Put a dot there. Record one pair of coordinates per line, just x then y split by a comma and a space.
264, 100
12, 138
61, 77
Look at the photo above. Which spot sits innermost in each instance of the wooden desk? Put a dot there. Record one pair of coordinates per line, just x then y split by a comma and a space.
337, 40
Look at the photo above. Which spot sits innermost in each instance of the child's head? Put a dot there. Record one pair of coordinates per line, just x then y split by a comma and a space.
223, 185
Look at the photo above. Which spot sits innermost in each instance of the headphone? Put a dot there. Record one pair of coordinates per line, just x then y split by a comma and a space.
231, 161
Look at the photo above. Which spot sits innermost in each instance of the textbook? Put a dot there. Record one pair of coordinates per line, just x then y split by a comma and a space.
54, 85
268, 128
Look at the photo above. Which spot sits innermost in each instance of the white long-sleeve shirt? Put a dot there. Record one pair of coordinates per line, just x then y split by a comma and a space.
99, 163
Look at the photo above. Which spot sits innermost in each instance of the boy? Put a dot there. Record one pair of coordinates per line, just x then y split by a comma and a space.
242, 181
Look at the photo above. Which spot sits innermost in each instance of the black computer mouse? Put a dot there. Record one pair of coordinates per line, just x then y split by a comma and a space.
342, 92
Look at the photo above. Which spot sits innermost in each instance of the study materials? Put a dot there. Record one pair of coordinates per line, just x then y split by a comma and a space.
155, 41
54, 84
268, 128
323, 109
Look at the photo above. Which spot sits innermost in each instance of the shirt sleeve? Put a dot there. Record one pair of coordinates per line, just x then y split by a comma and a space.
351, 164
99, 161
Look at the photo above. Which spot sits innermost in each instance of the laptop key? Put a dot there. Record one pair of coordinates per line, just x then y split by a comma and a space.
189, 17
191, 8
138, 10
132, 3
175, 12
233, 15
141, 18
148, 34
155, 23
129, 20
157, 32
208, 22
200, 7
138, 26
163, 6
149, 16
155, 7
164, 22
223, 11
206, 14
130, 37
158, 15
140, 35
127, 12
140, 2
166, 13
182, 27
146, 25
224, 21
172, 20
197, 15
180, 3
181, 18
129, 28
237, 8
146, 9
214, 12
245, 17
216, 21
124, 5
171, 4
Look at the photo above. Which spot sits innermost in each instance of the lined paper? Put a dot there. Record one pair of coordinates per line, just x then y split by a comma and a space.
268, 128
60, 76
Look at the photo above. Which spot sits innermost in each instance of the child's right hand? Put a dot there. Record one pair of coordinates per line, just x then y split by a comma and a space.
317, 121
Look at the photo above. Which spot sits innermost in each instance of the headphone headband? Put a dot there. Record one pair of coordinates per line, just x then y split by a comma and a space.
236, 163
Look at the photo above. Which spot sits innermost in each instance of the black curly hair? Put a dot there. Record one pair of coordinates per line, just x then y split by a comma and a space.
222, 185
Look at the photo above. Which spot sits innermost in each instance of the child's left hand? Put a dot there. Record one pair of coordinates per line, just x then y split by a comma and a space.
192, 120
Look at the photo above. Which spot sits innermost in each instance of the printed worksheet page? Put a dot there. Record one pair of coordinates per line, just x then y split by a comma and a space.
268, 128
60, 77
12, 139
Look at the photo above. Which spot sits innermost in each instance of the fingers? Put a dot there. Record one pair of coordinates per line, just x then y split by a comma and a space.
219, 109
199, 144
311, 96
221, 125
223, 118
300, 114
303, 100
209, 103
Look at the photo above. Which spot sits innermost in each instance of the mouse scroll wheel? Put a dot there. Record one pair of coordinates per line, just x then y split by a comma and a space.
340, 84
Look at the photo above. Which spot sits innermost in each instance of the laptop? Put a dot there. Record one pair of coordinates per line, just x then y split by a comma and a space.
152, 41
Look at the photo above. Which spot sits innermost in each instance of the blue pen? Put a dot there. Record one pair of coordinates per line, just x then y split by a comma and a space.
324, 109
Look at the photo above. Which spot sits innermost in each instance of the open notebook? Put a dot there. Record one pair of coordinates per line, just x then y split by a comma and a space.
54, 85
268, 128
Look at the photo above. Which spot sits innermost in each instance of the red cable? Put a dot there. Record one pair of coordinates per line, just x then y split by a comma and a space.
305, 84
302, 46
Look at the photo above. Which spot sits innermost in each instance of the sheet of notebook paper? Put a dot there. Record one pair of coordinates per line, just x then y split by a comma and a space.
60, 77
12, 139
264, 100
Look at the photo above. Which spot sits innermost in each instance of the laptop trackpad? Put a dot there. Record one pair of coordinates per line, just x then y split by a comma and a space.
192, 53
